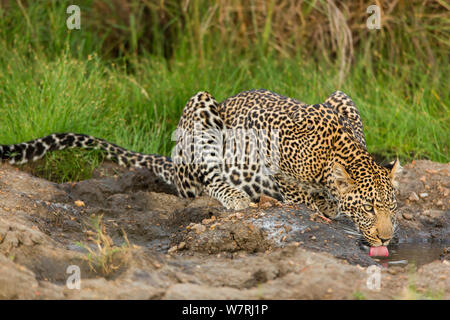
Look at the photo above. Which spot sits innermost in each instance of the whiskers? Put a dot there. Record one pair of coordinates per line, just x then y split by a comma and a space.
352, 232
396, 229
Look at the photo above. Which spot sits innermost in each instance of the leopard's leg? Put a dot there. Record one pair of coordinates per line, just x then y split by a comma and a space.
198, 158
316, 199
325, 204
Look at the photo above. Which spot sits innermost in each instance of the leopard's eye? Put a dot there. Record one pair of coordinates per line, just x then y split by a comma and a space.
368, 207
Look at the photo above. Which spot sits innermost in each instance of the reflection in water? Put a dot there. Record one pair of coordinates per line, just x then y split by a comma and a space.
412, 253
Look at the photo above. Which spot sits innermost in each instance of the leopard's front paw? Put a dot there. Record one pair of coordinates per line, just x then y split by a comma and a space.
326, 208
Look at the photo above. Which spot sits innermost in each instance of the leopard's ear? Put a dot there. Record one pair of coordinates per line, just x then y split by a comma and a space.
395, 168
342, 179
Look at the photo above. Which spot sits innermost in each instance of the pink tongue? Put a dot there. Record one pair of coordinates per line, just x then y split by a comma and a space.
380, 251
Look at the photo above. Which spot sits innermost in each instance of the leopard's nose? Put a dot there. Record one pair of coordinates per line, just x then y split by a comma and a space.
384, 241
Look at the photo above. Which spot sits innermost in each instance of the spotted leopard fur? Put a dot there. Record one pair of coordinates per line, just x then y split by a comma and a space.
277, 146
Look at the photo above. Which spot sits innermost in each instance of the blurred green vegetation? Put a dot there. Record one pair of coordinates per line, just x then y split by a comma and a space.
127, 73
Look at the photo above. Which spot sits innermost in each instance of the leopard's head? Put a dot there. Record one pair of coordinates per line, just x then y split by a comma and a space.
367, 196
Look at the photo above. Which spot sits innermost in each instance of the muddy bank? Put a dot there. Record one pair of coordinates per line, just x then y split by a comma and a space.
158, 246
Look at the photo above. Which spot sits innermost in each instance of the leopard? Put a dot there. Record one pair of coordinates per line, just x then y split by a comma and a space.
260, 143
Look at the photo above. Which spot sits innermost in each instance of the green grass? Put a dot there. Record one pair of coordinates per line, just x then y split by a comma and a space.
66, 165
55, 80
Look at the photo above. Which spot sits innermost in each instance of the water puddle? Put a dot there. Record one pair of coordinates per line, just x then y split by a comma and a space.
413, 253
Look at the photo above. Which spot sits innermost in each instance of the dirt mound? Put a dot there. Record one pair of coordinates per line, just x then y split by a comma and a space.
132, 238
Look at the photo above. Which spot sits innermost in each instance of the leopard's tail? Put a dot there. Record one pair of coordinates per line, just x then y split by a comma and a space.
35, 149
